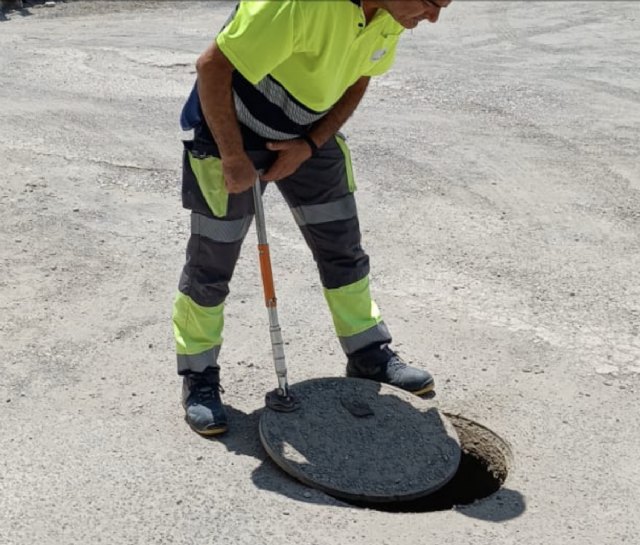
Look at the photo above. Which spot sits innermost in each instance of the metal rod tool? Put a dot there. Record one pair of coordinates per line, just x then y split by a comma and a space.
279, 399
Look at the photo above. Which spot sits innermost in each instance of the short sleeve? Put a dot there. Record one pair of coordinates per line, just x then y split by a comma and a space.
261, 35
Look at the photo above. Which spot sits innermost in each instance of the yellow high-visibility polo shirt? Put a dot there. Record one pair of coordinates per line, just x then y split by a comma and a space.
315, 49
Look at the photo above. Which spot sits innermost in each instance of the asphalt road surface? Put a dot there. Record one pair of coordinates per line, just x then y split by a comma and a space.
499, 195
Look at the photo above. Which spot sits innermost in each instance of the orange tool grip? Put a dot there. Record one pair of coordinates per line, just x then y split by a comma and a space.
267, 276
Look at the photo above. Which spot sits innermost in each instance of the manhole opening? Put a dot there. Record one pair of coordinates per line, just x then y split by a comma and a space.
483, 469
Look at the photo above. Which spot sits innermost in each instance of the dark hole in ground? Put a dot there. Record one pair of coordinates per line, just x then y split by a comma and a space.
483, 469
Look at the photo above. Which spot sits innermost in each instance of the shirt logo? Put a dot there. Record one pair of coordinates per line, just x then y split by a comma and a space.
377, 55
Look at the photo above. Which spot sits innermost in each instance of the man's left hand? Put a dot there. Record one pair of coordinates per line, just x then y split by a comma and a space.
291, 154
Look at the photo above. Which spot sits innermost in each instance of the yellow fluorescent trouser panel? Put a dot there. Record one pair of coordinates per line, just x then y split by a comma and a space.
208, 172
196, 329
352, 309
347, 162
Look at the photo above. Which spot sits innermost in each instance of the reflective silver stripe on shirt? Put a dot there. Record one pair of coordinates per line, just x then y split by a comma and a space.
246, 118
198, 362
275, 94
342, 209
376, 334
220, 230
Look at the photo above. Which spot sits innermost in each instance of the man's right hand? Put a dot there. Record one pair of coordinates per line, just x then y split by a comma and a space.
216, 98
239, 173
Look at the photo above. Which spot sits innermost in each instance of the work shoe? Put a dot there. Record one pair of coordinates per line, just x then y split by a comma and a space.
382, 364
202, 404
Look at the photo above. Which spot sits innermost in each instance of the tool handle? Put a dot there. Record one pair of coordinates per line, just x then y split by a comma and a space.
267, 276
277, 345
263, 248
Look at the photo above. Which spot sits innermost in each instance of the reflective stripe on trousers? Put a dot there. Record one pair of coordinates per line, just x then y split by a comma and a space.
320, 195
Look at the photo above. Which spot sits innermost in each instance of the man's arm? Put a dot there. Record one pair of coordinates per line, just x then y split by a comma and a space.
292, 153
341, 111
216, 99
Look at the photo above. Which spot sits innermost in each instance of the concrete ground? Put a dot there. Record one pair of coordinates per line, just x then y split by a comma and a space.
499, 194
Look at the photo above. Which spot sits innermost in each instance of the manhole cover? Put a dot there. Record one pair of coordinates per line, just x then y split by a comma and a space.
484, 466
361, 440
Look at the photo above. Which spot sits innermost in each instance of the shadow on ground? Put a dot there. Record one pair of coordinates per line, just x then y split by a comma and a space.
243, 438
15, 7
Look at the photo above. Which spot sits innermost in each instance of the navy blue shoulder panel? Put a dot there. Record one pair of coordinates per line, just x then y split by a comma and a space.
191, 116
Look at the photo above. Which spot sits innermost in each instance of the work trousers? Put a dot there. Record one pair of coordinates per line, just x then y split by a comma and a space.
320, 195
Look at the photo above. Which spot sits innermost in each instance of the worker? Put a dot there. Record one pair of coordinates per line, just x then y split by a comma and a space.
272, 92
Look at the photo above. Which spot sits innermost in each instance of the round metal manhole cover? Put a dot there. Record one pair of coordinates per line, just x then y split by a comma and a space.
361, 440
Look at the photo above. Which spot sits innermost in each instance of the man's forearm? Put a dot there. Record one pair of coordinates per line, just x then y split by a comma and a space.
216, 99
341, 111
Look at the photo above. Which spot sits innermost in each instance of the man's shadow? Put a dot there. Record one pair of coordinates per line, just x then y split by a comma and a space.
19, 8
23, 11
244, 439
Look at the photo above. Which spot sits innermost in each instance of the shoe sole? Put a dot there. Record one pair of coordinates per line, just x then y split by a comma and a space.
424, 390
419, 392
209, 432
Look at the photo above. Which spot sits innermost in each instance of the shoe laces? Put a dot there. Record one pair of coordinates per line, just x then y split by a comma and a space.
394, 361
204, 390
208, 391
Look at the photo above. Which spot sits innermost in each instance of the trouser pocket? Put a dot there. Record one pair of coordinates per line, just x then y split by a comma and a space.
203, 187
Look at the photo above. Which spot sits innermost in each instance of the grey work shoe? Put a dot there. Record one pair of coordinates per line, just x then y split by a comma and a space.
382, 364
202, 404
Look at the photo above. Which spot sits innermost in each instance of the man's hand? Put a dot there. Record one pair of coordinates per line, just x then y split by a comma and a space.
291, 154
216, 98
239, 173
